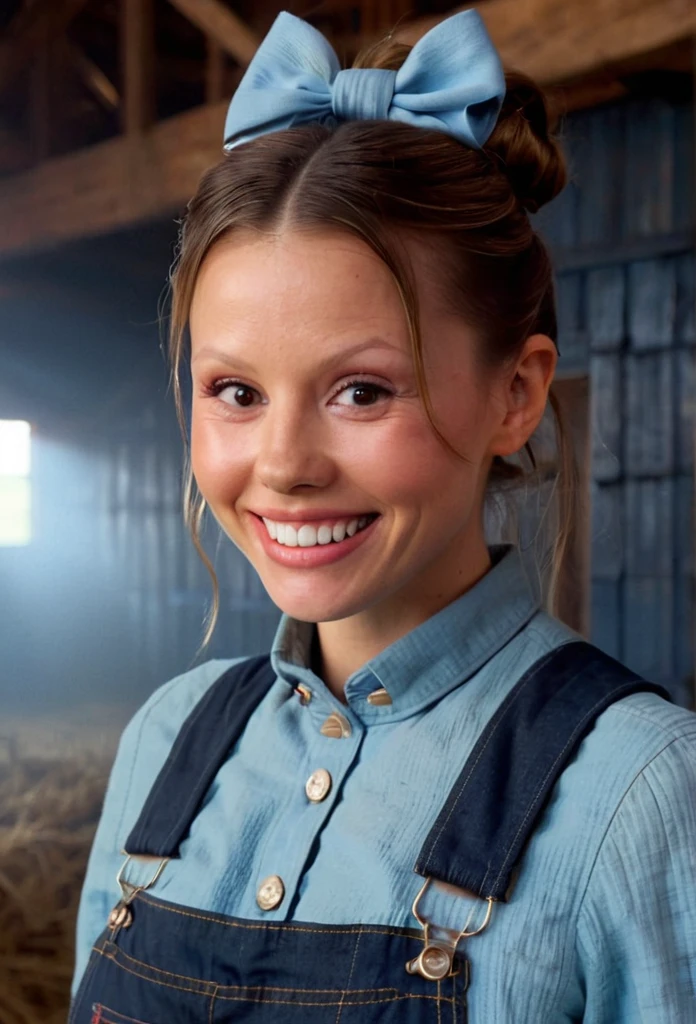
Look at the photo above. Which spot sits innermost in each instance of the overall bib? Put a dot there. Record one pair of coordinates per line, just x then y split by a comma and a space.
158, 962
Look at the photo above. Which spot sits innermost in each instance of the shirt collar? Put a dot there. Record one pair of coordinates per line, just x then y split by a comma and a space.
432, 659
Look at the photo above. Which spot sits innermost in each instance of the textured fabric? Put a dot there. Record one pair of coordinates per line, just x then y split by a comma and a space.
173, 965
452, 81
602, 922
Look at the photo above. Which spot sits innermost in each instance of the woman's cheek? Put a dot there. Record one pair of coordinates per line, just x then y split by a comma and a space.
218, 459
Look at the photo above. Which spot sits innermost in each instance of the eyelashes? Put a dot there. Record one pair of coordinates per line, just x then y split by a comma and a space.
367, 392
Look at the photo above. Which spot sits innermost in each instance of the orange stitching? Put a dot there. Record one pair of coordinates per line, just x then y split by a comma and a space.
114, 950
409, 933
276, 1002
352, 1002
350, 977
212, 1004
123, 1016
154, 981
119, 954
79, 995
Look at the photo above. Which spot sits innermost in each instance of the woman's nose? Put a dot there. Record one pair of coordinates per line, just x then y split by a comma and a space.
293, 452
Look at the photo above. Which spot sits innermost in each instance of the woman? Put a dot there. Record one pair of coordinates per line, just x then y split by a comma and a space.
372, 334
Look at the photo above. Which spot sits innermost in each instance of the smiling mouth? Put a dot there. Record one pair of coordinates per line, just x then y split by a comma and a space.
309, 535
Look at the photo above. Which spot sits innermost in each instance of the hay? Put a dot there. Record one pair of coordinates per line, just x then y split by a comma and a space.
50, 801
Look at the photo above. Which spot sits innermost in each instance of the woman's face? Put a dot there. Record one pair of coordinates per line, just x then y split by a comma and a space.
310, 442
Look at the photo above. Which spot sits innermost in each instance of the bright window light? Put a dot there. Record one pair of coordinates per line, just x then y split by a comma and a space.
15, 483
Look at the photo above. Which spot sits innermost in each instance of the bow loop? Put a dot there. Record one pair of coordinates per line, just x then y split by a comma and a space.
451, 81
359, 94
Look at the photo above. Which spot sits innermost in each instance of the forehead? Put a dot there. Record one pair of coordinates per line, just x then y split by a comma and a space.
295, 278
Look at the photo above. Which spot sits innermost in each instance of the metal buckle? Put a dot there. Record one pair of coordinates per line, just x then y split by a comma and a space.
436, 959
122, 916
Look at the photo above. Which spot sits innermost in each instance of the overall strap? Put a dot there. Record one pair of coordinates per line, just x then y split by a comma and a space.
497, 800
201, 747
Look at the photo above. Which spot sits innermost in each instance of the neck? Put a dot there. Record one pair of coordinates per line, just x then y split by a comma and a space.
344, 646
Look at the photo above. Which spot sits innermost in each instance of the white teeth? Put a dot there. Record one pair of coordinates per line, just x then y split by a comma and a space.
306, 536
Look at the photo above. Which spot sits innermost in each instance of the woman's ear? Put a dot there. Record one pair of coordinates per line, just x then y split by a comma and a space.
526, 393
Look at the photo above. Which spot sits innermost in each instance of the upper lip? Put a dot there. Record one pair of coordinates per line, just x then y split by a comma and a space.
308, 515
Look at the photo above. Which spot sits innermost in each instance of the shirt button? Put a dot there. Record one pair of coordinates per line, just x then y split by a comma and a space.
270, 893
379, 698
336, 726
318, 785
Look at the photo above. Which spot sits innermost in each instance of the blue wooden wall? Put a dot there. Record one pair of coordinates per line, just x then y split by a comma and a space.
623, 240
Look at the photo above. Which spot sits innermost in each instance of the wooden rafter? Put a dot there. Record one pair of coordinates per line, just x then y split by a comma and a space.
98, 83
557, 40
222, 25
118, 183
40, 99
27, 33
106, 187
214, 72
137, 58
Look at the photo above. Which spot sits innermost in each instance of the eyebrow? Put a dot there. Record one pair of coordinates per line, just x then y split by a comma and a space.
237, 361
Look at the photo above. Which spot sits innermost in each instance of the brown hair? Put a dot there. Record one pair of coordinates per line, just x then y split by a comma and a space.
372, 178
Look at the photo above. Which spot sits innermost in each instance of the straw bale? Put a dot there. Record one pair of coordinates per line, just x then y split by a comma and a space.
50, 801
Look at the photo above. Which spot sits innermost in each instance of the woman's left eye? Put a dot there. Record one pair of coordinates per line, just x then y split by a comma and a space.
361, 393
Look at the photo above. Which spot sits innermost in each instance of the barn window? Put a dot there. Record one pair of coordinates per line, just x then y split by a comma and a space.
15, 483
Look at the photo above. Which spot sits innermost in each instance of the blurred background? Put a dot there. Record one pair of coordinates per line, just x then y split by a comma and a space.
110, 110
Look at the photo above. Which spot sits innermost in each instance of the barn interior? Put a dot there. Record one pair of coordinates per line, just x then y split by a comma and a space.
110, 110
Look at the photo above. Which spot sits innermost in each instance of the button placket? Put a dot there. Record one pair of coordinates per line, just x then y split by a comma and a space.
325, 763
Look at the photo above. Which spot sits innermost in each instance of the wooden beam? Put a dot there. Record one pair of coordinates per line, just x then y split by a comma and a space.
101, 87
556, 40
27, 32
137, 62
40, 96
214, 72
118, 183
221, 24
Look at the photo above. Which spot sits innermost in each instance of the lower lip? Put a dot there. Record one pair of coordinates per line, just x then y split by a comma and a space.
311, 558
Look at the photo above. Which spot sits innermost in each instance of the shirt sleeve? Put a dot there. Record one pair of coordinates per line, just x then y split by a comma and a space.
135, 768
637, 927
100, 891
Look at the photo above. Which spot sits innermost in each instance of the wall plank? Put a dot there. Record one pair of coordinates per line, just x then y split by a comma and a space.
606, 297
607, 558
649, 169
650, 419
648, 627
685, 313
605, 622
606, 417
649, 527
652, 301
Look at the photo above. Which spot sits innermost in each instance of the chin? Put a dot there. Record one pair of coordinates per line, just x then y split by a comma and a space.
319, 605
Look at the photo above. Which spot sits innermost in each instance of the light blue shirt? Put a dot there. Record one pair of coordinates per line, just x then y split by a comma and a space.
601, 923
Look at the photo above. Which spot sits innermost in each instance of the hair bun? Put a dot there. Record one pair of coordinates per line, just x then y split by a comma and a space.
524, 145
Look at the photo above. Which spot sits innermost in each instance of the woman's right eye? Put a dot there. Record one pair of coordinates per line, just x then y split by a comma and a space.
233, 393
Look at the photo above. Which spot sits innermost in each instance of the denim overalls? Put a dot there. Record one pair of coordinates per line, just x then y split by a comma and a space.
163, 963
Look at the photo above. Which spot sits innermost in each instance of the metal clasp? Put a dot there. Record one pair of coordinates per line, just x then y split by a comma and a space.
122, 915
436, 959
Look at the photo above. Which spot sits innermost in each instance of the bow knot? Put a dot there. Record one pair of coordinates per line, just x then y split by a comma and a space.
451, 81
362, 94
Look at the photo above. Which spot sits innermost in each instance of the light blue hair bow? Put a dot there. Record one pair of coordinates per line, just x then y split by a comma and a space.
452, 81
